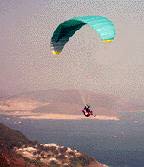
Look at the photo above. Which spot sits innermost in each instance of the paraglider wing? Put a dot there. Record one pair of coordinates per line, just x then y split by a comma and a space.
103, 26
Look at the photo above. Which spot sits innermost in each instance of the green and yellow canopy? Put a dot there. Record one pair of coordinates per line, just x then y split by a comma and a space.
103, 26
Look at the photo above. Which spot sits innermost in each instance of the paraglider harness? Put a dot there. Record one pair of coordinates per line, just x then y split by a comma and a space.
86, 111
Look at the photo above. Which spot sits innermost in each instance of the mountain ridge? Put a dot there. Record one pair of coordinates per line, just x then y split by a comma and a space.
67, 104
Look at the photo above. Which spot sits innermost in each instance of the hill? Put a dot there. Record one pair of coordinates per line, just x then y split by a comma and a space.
67, 104
62, 103
11, 137
29, 154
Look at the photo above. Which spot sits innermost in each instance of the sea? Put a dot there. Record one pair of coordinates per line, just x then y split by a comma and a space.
114, 143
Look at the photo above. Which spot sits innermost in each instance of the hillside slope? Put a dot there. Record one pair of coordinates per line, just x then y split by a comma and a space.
29, 154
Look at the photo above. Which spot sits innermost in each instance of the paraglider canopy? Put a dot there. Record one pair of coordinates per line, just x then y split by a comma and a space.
102, 25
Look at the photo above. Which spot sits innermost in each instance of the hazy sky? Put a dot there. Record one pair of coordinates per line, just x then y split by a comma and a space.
26, 63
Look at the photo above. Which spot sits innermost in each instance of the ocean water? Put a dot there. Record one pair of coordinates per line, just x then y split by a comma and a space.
115, 143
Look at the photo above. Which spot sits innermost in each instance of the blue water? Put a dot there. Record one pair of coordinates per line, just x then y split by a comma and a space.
115, 143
